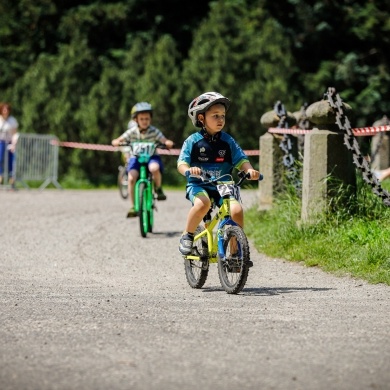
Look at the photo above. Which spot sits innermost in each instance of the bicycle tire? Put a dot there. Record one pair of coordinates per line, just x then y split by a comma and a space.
151, 218
233, 270
143, 210
122, 182
197, 271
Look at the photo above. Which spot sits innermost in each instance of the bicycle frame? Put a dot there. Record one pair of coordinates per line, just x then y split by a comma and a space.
143, 189
143, 156
144, 177
215, 238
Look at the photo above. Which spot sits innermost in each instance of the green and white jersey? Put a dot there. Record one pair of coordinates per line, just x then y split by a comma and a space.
152, 134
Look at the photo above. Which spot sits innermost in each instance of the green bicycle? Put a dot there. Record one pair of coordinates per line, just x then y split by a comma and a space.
228, 245
144, 198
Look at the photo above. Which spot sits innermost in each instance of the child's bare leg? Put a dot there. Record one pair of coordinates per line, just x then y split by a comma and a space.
132, 179
198, 211
154, 168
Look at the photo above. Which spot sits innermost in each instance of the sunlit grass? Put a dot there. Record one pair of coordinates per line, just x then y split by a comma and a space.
352, 240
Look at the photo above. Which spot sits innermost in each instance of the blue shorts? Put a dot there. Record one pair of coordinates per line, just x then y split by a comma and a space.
134, 164
195, 190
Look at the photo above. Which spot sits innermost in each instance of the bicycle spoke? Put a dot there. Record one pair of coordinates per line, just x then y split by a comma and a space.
233, 268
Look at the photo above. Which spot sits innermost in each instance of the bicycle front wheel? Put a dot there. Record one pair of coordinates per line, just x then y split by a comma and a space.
233, 269
122, 182
143, 210
151, 212
198, 270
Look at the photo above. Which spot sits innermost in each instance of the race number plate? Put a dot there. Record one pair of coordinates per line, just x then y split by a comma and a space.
229, 189
142, 148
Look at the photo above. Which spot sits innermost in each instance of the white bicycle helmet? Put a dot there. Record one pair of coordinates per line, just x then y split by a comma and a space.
141, 107
200, 105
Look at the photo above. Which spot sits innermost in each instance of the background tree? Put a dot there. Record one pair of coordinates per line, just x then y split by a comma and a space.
341, 44
75, 68
240, 52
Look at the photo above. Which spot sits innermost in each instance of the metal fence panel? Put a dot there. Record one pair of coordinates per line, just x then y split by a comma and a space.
37, 159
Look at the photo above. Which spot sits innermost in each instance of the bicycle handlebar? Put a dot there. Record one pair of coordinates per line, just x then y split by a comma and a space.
213, 180
158, 146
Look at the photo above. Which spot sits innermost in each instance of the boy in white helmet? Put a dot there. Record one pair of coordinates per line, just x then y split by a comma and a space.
214, 152
141, 113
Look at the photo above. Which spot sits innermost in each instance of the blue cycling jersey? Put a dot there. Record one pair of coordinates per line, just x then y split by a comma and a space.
217, 154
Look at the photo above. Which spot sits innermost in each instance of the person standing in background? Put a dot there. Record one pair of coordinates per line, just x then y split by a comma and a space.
8, 138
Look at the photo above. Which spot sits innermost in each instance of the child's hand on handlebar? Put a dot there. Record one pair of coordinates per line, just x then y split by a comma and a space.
196, 171
253, 174
169, 144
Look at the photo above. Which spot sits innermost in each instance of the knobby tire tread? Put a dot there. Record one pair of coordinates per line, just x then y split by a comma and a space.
238, 285
197, 280
143, 214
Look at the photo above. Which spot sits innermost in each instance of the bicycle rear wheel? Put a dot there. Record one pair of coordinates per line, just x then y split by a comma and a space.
122, 182
197, 271
233, 269
143, 210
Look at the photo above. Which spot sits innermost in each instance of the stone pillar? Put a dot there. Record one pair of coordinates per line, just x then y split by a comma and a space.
269, 160
327, 163
380, 149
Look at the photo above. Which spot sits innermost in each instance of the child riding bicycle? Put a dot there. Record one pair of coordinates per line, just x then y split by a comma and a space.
142, 113
212, 151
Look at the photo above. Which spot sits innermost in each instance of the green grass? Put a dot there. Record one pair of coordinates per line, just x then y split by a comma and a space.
353, 239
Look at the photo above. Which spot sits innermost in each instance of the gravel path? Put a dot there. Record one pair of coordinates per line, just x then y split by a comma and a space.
86, 303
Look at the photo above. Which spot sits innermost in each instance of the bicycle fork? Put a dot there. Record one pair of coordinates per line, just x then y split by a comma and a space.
222, 237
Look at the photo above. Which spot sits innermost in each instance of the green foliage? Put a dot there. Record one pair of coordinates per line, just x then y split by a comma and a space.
75, 68
158, 85
27, 28
234, 52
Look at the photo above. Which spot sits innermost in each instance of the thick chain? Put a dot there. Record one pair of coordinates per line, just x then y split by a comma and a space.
286, 146
352, 144
304, 124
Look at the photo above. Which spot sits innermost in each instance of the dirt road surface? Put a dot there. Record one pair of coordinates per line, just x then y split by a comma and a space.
86, 303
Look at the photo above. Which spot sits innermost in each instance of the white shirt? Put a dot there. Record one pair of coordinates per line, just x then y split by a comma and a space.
7, 128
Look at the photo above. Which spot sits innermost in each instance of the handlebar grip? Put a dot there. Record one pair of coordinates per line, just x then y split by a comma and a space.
261, 177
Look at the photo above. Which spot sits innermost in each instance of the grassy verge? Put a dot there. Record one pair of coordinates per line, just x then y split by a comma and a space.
354, 240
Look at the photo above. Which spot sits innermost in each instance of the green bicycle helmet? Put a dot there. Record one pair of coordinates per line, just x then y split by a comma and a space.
141, 107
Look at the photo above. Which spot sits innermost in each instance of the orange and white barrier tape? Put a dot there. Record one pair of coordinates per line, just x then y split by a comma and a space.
79, 145
280, 130
361, 131
109, 148
370, 130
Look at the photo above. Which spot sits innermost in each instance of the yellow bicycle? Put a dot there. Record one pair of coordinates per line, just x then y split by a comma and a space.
226, 245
